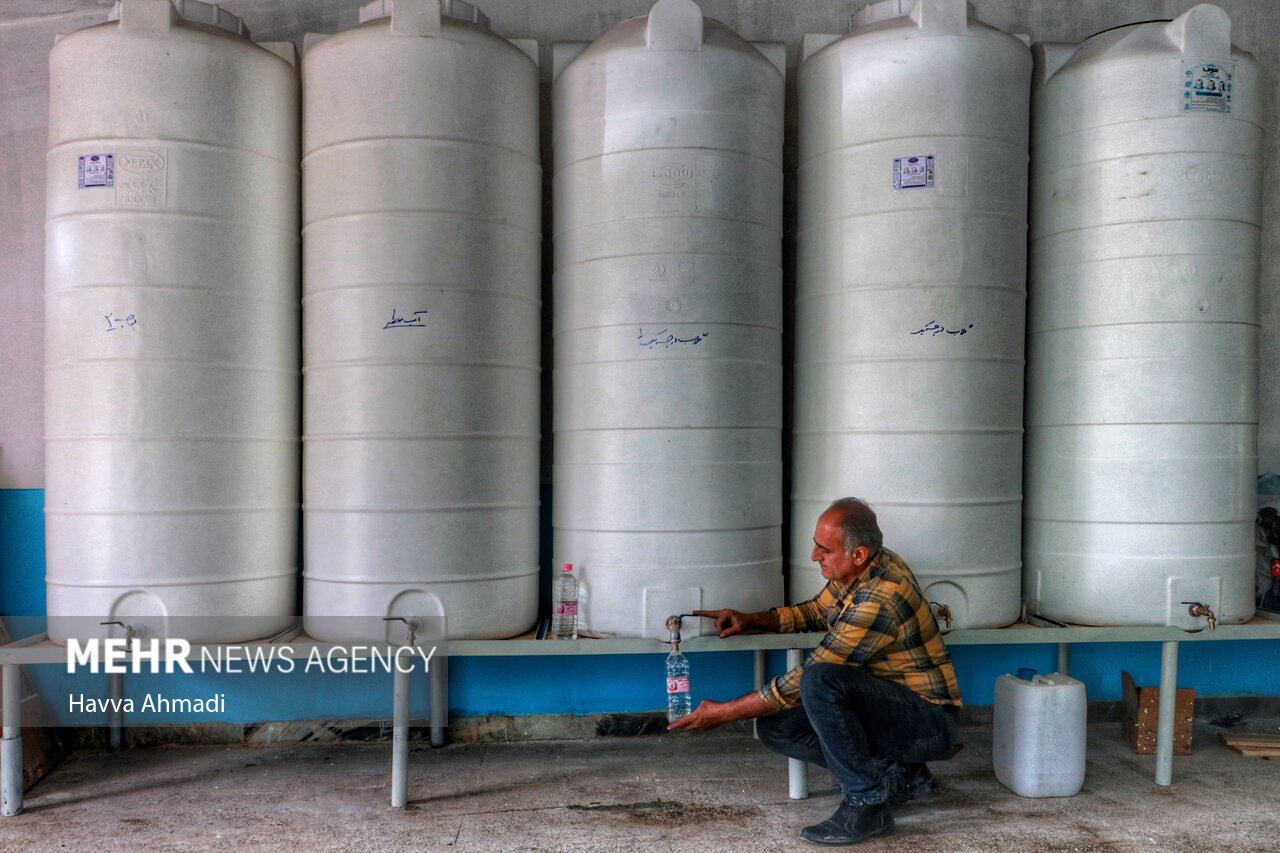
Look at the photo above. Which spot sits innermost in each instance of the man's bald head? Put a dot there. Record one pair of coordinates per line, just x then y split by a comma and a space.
857, 523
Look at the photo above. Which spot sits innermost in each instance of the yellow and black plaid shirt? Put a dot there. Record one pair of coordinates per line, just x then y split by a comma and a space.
882, 622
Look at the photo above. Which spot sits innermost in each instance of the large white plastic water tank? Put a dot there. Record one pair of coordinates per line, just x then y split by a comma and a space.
1038, 734
171, 328
910, 297
668, 320
1143, 325
421, 247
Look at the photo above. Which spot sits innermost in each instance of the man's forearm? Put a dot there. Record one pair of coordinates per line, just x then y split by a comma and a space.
709, 714
747, 707
766, 620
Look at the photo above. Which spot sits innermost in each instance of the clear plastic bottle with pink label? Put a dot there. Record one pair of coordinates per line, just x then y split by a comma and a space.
564, 594
679, 703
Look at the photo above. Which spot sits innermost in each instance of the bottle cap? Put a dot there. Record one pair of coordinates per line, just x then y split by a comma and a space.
1026, 673
568, 567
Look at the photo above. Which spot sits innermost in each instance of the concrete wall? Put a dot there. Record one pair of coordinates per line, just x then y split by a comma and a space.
27, 29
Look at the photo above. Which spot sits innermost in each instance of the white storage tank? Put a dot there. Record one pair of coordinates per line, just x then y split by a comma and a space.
910, 297
1038, 734
668, 320
1143, 325
421, 248
171, 328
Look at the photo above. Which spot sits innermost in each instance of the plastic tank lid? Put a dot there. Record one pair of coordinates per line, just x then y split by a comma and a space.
459, 10
199, 13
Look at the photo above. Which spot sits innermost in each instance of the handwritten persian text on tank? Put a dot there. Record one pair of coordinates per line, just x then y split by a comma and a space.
934, 328
415, 320
667, 340
116, 323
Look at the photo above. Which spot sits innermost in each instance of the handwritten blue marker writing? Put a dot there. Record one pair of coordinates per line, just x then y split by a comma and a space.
933, 327
414, 322
666, 340
116, 323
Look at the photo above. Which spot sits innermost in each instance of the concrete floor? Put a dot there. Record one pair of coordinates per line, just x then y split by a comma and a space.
718, 792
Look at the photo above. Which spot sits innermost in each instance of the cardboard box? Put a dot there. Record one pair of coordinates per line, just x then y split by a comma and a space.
1140, 713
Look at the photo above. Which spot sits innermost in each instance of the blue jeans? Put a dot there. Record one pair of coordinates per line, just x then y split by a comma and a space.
865, 730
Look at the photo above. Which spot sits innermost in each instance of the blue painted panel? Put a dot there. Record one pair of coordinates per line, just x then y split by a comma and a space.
588, 684
22, 559
978, 667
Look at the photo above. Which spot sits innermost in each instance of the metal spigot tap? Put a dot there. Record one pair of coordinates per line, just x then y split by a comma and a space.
673, 626
943, 612
1196, 609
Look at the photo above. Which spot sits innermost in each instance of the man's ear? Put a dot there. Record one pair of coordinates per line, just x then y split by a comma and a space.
861, 555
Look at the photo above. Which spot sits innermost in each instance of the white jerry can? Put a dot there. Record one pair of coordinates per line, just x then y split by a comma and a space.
1038, 741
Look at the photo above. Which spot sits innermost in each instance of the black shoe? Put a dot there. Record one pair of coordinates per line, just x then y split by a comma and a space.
917, 784
851, 824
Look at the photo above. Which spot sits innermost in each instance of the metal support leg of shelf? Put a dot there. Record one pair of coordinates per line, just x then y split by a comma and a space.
797, 770
1064, 658
115, 716
11, 746
760, 674
439, 699
399, 739
1165, 719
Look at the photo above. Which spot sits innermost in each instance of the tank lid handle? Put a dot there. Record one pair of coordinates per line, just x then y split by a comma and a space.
408, 17
159, 16
1202, 32
674, 25
932, 15
422, 17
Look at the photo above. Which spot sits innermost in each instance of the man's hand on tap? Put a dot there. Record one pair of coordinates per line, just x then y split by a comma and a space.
729, 622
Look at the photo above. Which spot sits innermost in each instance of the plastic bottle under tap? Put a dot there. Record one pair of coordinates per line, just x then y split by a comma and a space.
679, 703
564, 594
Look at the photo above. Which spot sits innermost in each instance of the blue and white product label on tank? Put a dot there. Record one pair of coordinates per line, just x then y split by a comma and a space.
97, 170
1206, 87
911, 173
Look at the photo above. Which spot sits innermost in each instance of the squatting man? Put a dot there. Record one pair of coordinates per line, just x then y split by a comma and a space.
878, 696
